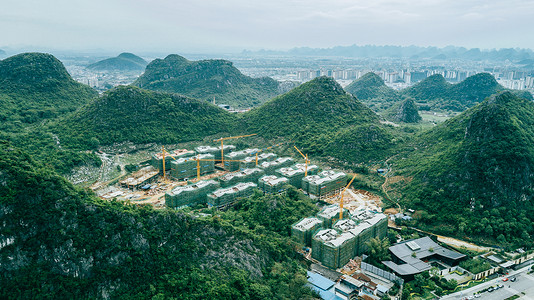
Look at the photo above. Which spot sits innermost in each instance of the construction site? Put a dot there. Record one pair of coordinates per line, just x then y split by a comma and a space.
217, 176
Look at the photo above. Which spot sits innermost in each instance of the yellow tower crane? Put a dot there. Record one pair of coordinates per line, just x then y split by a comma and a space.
163, 161
200, 159
341, 197
229, 138
306, 161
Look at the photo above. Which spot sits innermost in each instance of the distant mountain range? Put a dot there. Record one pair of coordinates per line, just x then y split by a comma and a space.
413, 52
207, 80
123, 62
432, 93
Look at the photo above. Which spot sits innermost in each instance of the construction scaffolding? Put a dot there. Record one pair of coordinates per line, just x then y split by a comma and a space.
190, 195
329, 215
246, 175
270, 167
252, 161
237, 155
187, 167
295, 173
272, 184
140, 178
215, 151
223, 197
303, 230
324, 184
157, 158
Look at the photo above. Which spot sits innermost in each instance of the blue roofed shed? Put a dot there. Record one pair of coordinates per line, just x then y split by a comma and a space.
323, 286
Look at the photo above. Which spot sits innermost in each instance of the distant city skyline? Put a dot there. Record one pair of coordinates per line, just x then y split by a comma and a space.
211, 26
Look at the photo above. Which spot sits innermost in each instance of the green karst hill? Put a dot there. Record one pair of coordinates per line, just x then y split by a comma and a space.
128, 113
62, 242
405, 112
476, 169
34, 87
206, 79
372, 90
123, 62
318, 115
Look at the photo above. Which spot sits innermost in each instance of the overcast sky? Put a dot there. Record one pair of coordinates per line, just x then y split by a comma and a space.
206, 26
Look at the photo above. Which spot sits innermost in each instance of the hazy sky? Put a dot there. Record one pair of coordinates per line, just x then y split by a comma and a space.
233, 25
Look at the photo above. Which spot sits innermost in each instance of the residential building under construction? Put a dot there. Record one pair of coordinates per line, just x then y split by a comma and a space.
215, 151
253, 161
324, 184
231, 160
157, 158
140, 178
224, 197
270, 167
187, 167
296, 172
246, 175
271, 184
190, 195
303, 230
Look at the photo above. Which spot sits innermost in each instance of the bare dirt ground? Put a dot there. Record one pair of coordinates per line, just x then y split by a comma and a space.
358, 199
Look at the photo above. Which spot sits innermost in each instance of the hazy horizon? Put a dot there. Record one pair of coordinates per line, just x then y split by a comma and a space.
163, 26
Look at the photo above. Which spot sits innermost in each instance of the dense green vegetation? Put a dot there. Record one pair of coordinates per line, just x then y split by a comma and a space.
405, 112
35, 87
206, 80
323, 119
371, 90
128, 113
472, 175
62, 242
123, 62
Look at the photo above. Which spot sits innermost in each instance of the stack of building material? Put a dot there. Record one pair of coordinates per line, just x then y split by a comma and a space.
270, 167
246, 175
157, 158
226, 196
187, 167
324, 183
250, 162
190, 195
231, 165
295, 173
215, 151
303, 230
272, 184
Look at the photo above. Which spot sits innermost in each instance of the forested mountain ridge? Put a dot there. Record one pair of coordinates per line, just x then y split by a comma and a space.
206, 79
474, 168
123, 62
128, 113
34, 87
62, 242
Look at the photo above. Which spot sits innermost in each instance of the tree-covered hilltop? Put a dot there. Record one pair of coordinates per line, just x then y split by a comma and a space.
371, 90
435, 92
123, 62
405, 112
473, 174
319, 116
34, 87
207, 79
128, 113
62, 242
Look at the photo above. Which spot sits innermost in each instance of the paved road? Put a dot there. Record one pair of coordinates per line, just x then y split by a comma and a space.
523, 284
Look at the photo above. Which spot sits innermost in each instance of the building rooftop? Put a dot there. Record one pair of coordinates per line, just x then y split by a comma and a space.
275, 162
325, 235
422, 248
340, 239
329, 211
193, 158
199, 185
345, 224
233, 189
307, 223
202, 149
324, 177
177, 152
273, 180
245, 152
242, 173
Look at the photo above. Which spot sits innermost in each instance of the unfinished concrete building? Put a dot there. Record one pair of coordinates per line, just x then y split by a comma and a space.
246, 175
230, 162
295, 173
140, 178
187, 167
330, 214
224, 197
270, 167
190, 195
215, 151
324, 184
250, 162
272, 184
157, 158
303, 230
